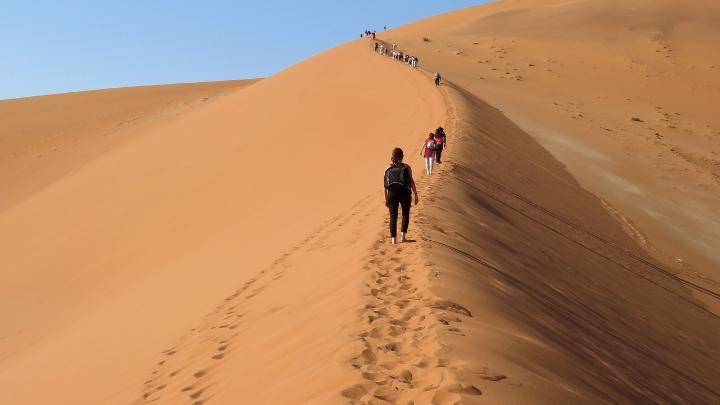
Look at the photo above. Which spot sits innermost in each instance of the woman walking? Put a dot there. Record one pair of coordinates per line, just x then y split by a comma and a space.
398, 184
428, 152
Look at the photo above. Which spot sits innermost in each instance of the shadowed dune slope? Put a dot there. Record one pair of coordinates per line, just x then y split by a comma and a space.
107, 266
565, 307
621, 92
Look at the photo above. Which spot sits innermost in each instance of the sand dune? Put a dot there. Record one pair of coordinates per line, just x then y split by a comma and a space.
138, 245
623, 93
237, 252
44, 138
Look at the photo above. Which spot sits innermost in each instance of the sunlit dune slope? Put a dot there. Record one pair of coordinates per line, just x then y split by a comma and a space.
106, 266
44, 138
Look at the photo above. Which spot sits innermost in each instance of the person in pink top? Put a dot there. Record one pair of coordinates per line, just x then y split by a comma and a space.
428, 152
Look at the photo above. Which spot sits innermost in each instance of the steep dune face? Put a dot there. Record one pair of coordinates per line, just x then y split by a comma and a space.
622, 92
107, 266
44, 138
565, 307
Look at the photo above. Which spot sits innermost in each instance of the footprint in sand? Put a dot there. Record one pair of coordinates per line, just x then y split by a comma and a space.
197, 394
466, 389
255, 292
386, 393
357, 391
451, 306
498, 377
484, 373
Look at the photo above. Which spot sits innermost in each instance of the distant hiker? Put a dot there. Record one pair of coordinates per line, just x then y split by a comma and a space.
428, 152
376, 46
373, 35
437, 78
385, 28
399, 182
440, 142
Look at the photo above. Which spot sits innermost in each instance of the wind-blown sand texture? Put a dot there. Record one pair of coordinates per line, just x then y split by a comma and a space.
237, 251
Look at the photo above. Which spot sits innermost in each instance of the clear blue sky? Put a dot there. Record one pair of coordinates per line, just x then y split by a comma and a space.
55, 46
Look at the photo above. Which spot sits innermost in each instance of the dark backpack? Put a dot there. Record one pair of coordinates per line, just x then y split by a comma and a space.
397, 177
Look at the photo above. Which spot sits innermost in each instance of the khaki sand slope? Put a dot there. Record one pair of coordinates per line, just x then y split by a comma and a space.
112, 263
168, 271
44, 138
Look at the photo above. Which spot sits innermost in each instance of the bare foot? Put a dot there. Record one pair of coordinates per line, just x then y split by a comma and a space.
393, 241
402, 237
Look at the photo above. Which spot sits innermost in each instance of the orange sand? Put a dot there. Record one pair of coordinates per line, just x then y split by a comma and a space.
231, 246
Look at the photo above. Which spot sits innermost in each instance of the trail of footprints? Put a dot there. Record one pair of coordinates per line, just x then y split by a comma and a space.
187, 368
402, 361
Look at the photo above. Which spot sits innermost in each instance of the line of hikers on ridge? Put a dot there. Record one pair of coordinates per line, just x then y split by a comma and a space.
410, 60
368, 34
371, 33
396, 54
399, 185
